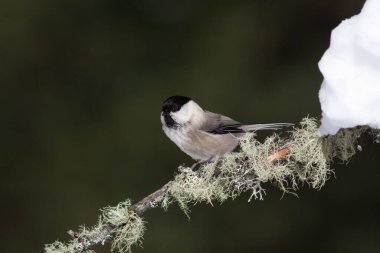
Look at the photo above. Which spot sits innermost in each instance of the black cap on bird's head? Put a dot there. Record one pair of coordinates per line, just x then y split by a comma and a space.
174, 104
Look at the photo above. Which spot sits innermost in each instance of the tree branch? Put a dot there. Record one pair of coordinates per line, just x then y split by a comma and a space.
302, 157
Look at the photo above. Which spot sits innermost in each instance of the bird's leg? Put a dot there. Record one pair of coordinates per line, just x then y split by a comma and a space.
184, 169
200, 163
195, 165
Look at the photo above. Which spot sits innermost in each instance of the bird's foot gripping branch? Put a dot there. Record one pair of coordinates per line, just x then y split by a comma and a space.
299, 157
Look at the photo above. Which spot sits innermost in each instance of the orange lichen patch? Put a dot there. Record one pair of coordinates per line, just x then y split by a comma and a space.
281, 153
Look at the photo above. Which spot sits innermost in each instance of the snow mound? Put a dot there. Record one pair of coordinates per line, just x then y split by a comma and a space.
350, 92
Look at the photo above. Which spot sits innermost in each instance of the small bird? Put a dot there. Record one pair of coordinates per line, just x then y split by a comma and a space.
204, 135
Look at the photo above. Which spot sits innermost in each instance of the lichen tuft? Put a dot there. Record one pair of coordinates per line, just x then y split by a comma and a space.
131, 225
59, 247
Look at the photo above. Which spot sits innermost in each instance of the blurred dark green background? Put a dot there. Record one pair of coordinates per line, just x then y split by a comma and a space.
81, 88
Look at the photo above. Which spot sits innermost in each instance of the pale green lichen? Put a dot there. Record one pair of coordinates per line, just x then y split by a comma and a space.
131, 226
59, 247
308, 158
192, 186
343, 144
260, 164
129, 232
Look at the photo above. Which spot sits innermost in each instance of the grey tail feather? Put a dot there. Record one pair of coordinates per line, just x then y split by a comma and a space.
257, 127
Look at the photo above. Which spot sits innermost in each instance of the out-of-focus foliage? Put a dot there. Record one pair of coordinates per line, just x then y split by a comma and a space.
81, 88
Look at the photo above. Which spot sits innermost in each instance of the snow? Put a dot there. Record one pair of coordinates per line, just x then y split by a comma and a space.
350, 92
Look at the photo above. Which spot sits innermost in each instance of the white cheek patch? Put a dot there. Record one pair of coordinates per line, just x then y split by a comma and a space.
183, 115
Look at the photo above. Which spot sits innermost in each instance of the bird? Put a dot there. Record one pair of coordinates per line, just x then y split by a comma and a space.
203, 135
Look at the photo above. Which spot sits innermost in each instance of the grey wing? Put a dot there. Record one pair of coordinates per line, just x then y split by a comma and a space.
220, 124
270, 126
